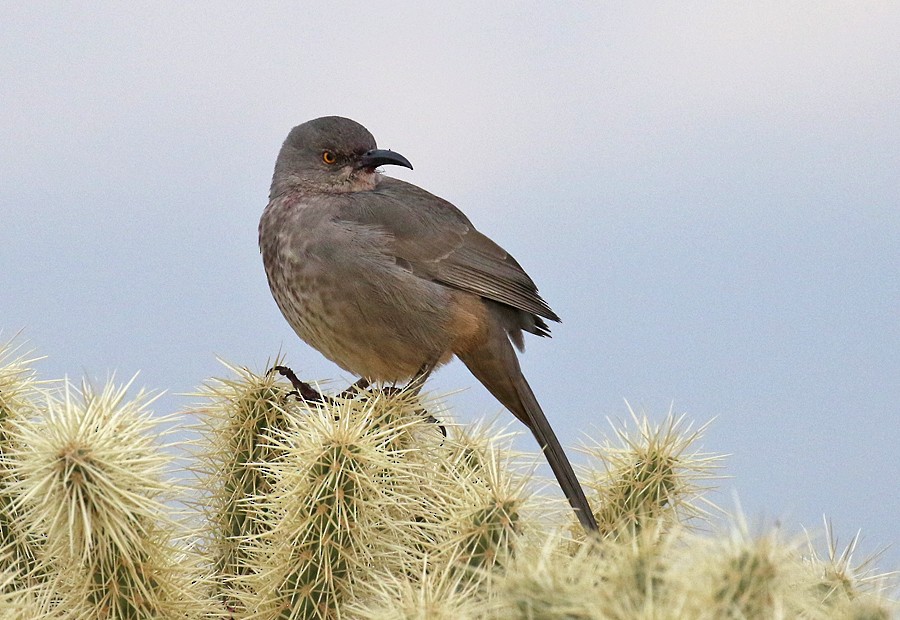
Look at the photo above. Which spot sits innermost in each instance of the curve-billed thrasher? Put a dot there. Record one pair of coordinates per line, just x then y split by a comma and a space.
389, 281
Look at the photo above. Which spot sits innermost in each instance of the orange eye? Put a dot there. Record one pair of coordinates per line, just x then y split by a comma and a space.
328, 157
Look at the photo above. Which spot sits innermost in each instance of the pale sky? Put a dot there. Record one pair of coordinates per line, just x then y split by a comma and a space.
706, 192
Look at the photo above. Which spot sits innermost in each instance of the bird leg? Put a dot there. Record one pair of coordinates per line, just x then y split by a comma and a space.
308, 393
356, 388
416, 384
302, 390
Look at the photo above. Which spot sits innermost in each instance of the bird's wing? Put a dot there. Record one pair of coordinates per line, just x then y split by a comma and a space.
435, 240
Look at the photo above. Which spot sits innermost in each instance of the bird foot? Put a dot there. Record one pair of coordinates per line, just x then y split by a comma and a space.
355, 389
308, 393
302, 390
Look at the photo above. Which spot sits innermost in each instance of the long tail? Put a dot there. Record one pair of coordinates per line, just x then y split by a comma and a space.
495, 364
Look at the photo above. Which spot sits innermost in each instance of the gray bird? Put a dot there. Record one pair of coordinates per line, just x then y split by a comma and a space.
389, 282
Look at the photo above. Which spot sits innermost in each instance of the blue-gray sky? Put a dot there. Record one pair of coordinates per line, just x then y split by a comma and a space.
706, 192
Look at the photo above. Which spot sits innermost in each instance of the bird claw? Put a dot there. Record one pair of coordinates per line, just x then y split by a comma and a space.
306, 392
302, 390
433, 420
355, 389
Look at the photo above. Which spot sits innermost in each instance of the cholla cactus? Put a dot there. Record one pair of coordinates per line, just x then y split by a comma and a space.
465, 525
18, 392
610, 579
481, 506
654, 473
849, 590
344, 475
89, 479
740, 576
32, 602
635, 578
363, 508
431, 593
238, 419
18, 385
547, 580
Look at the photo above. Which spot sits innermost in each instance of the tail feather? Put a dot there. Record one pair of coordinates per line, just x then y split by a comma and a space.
495, 364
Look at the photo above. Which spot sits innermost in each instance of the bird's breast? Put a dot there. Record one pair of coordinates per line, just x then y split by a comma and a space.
349, 300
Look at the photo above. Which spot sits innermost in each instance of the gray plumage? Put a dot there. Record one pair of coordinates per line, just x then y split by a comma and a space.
389, 281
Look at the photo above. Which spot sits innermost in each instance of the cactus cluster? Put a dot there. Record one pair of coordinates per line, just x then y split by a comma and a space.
87, 478
18, 547
364, 506
338, 499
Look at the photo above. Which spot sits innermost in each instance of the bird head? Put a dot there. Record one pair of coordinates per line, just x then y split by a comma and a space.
331, 154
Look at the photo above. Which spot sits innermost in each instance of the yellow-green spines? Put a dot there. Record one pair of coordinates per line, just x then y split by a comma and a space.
491, 528
487, 513
848, 589
423, 593
19, 392
744, 586
738, 575
238, 418
363, 508
19, 387
634, 574
339, 483
544, 580
89, 480
651, 475
320, 549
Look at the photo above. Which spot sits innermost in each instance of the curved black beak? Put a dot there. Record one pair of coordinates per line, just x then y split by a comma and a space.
382, 157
